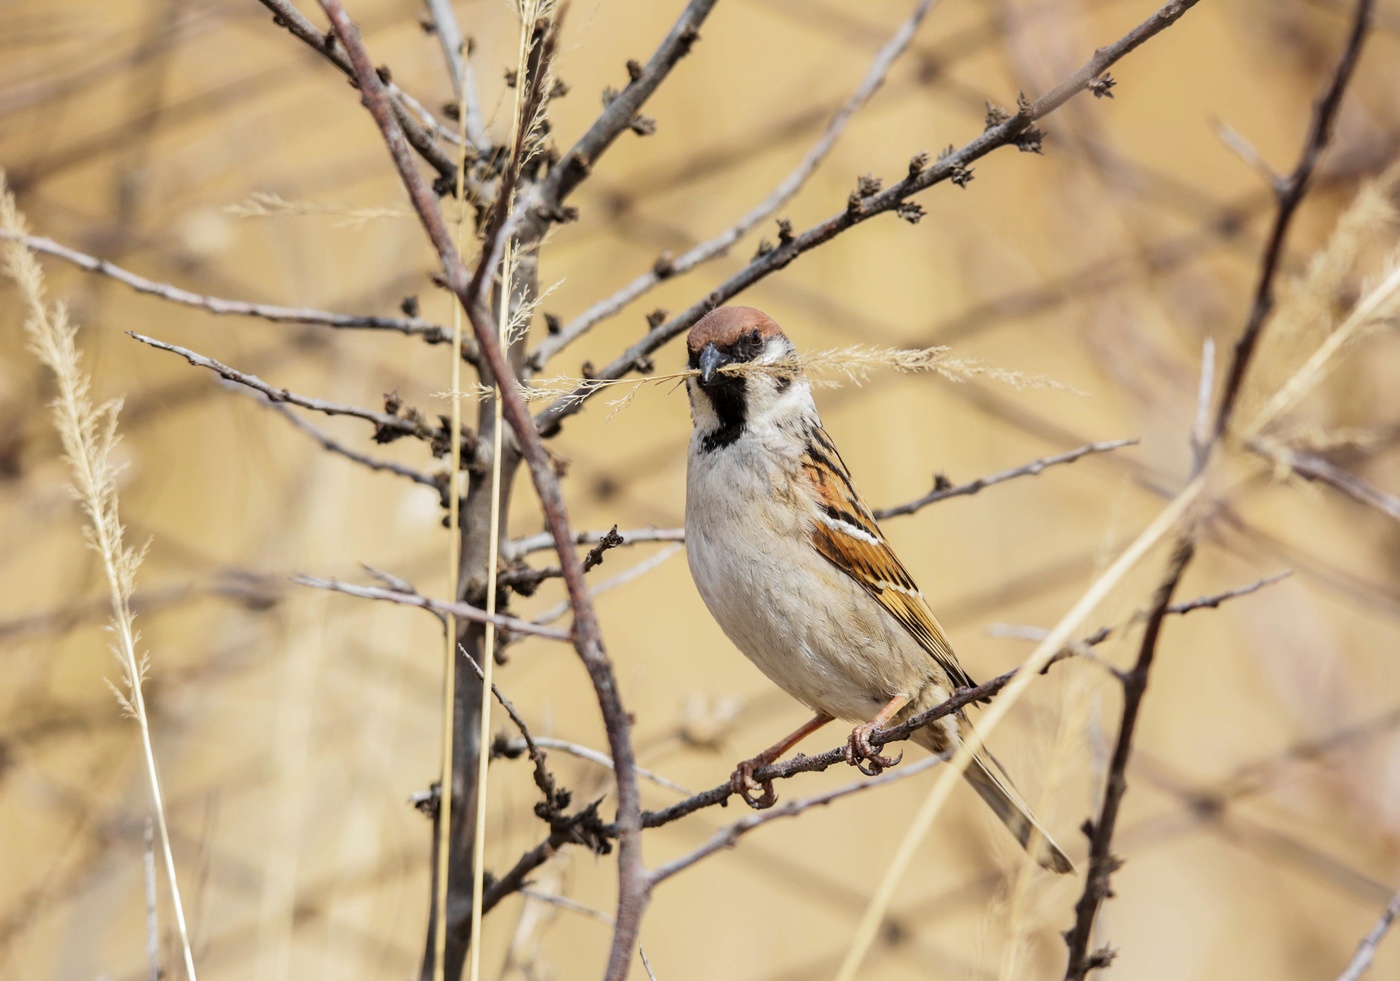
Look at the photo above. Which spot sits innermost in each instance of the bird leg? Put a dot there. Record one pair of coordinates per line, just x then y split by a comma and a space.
864, 756
741, 781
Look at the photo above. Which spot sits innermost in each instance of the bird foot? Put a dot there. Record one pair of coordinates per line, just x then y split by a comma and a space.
863, 755
742, 782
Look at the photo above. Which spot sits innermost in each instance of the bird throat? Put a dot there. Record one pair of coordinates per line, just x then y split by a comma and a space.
728, 397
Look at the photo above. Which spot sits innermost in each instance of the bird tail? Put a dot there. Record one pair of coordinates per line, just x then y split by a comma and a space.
994, 786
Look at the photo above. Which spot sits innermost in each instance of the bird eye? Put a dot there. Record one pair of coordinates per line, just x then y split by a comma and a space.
754, 337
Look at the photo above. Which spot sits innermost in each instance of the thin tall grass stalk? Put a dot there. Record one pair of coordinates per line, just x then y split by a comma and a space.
454, 570
529, 11
938, 795
89, 436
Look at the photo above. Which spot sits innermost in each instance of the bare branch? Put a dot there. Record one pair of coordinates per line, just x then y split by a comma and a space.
522, 547
943, 490
327, 442
1290, 192
790, 185
622, 110
1004, 129
384, 423
1366, 950
323, 43
1315, 468
594, 756
727, 837
413, 326
587, 634
1102, 862
442, 608
455, 49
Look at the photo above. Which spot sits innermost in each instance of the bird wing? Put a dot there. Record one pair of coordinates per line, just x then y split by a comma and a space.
845, 533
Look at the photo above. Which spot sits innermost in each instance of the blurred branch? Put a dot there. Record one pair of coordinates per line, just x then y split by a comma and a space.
1003, 129
385, 424
412, 326
1315, 468
1289, 192
790, 185
1102, 862
943, 489
462, 611
1366, 950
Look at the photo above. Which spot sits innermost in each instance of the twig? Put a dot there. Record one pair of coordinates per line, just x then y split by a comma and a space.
621, 579
460, 610
1213, 602
594, 756
323, 43
1290, 192
564, 902
454, 50
334, 446
646, 964
1246, 152
412, 326
781, 194
148, 867
1102, 862
522, 547
1200, 430
1004, 129
587, 634
622, 110
1312, 467
1366, 950
384, 423
727, 837
942, 493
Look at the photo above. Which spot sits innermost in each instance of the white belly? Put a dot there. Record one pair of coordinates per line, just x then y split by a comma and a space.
808, 626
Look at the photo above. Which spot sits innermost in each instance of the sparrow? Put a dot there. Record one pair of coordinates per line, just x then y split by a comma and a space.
791, 563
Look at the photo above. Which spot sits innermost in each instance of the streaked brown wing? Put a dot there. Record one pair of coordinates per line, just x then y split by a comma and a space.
847, 536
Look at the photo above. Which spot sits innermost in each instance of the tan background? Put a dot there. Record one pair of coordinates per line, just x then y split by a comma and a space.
291, 727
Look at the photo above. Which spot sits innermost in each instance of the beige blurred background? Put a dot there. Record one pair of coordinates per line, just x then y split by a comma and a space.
292, 727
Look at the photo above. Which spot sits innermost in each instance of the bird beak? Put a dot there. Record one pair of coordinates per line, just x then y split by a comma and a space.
711, 360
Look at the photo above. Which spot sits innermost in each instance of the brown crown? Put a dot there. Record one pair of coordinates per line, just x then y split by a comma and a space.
725, 325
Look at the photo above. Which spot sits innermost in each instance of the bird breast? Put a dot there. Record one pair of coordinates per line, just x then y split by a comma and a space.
812, 629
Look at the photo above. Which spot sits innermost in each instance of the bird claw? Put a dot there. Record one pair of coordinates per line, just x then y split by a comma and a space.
741, 782
864, 756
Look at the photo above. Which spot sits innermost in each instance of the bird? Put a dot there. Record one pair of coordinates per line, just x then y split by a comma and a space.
791, 563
